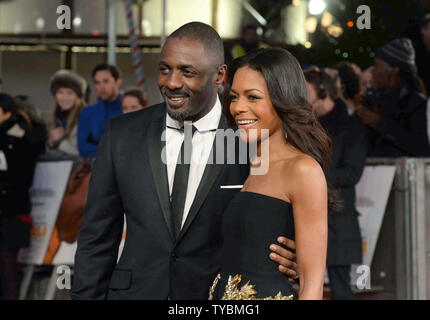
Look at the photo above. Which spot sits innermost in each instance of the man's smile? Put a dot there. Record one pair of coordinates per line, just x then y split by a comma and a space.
176, 101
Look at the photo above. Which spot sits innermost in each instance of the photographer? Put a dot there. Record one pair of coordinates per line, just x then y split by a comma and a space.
350, 76
17, 162
395, 114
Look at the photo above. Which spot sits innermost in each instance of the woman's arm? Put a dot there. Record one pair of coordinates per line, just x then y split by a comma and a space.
308, 194
55, 136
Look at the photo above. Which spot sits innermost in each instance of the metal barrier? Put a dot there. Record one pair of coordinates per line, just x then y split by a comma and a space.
402, 257
401, 264
35, 275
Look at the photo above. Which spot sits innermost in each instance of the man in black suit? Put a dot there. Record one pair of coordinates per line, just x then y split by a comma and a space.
173, 222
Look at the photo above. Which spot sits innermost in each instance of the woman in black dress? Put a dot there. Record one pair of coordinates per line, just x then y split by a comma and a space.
267, 98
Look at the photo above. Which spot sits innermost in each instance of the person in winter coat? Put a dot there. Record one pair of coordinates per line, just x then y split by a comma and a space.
93, 119
396, 118
17, 163
68, 90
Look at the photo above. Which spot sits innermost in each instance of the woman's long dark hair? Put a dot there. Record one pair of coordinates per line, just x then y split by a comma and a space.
289, 95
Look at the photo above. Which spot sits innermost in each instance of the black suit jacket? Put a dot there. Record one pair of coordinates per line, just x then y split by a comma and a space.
129, 177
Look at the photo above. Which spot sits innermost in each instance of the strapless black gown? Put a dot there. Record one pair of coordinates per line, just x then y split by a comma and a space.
252, 222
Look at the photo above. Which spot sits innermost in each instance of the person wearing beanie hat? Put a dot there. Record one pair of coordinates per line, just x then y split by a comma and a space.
398, 53
68, 79
68, 90
397, 122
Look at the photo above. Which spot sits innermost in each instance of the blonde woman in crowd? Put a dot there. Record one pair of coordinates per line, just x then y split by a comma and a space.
68, 89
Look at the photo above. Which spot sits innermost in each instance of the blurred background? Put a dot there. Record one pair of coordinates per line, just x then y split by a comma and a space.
320, 32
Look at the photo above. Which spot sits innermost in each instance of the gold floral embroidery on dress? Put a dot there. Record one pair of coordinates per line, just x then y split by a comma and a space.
246, 292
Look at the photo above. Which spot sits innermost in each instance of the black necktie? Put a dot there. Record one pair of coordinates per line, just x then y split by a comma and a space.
180, 182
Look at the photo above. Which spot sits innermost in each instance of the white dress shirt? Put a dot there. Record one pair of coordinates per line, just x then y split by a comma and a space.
202, 144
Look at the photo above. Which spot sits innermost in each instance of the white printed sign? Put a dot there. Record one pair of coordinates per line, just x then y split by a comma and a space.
3, 162
49, 184
372, 192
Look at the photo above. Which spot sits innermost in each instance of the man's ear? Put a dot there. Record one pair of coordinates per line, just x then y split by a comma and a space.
220, 75
119, 83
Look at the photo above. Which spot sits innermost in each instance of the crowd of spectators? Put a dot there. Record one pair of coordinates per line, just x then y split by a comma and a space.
381, 111
72, 129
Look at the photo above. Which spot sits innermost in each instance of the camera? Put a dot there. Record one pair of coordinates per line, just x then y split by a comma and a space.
370, 98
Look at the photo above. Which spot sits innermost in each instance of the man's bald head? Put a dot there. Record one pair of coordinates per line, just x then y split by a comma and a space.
206, 35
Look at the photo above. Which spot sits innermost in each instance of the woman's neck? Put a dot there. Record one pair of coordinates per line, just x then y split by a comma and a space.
273, 148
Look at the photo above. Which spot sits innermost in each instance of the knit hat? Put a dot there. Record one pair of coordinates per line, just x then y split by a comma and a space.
68, 79
398, 53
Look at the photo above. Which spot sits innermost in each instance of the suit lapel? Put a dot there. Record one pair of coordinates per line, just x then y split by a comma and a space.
159, 170
208, 179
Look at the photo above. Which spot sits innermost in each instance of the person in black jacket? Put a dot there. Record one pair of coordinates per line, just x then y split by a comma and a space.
396, 115
422, 50
35, 124
350, 86
17, 162
347, 164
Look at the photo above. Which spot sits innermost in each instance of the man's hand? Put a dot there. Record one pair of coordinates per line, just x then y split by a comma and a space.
370, 118
286, 258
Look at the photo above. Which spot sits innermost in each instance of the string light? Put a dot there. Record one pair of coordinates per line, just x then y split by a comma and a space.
311, 24
316, 7
326, 20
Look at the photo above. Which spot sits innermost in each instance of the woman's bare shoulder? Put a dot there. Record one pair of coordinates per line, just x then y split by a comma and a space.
301, 164
303, 171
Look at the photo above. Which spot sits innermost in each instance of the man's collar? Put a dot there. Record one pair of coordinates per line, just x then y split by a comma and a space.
207, 123
114, 101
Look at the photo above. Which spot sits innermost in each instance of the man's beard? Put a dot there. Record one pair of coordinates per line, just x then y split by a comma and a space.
179, 115
188, 114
